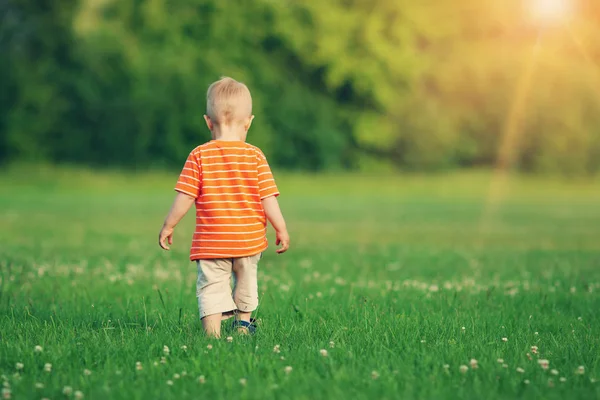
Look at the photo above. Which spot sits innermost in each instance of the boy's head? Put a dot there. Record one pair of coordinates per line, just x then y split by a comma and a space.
228, 102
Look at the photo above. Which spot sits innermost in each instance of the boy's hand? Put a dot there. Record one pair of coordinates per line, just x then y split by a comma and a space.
283, 239
165, 235
181, 205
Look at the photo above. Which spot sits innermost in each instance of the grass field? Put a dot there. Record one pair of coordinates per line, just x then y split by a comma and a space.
402, 280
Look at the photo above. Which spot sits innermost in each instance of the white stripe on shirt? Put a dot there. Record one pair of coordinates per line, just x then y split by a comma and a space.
226, 216
240, 225
267, 188
228, 171
236, 209
186, 192
230, 194
230, 155
233, 177
225, 248
229, 233
233, 162
229, 201
228, 186
187, 184
229, 240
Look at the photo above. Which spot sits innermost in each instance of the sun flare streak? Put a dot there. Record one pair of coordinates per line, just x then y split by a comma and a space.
550, 11
582, 48
509, 141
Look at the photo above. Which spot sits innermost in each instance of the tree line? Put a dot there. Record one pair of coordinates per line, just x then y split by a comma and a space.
343, 84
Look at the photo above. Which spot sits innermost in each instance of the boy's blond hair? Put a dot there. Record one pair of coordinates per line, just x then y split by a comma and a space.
228, 101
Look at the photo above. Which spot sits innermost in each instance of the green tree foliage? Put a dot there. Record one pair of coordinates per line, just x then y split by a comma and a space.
337, 84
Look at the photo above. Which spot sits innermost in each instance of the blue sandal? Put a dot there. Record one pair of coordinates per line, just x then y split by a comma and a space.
250, 326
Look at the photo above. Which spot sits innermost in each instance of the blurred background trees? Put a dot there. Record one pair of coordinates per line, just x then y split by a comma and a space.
343, 84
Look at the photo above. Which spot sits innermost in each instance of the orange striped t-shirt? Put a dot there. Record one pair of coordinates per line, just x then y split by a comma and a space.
228, 181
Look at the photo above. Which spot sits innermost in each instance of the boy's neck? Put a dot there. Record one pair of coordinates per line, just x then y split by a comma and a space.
227, 133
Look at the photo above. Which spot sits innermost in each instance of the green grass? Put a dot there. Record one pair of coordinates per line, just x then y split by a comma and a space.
388, 269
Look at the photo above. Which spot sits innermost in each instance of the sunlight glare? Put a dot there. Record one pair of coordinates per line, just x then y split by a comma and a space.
551, 11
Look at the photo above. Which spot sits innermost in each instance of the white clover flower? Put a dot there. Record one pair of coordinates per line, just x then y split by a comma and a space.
580, 370
78, 394
166, 350
504, 365
229, 339
276, 349
170, 382
87, 372
243, 381
183, 373
374, 375
209, 346
331, 344
6, 393
39, 385
138, 366
163, 360
520, 370
535, 333
155, 363
463, 369
176, 376
473, 363
554, 371
184, 347
545, 364
505, 339
526, 381
323, 352
463, 329
562, 379
38, 349
19, 366
48, 367
288, 369
534, 349
446, 367
201, 379
500, 361
67, 390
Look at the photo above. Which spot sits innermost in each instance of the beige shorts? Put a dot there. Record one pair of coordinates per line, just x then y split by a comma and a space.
213, 287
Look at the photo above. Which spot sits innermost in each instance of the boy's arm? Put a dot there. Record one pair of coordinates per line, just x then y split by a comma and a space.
275, 217
180, 207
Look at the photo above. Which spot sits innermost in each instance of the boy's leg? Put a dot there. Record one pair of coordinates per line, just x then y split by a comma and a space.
214, 293
245, 292
212, 325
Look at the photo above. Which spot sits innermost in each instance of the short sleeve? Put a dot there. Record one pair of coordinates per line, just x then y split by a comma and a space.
189, 181
266, 182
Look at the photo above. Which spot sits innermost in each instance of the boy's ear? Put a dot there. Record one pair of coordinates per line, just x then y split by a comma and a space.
209, 122
249, 122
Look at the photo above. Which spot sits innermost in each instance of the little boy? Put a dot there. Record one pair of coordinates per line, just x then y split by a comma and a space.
235, 194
